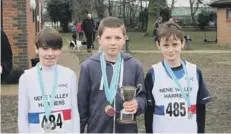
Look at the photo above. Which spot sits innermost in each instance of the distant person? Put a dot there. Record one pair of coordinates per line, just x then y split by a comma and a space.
94, 32
88, 27
6, 56
79, 31
165, 15
156, 26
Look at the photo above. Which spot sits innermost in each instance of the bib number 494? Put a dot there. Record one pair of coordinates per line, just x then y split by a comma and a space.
176, 109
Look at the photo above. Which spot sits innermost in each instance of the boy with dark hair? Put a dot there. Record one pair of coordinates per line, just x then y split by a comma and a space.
101, 74
47, 101
176, 91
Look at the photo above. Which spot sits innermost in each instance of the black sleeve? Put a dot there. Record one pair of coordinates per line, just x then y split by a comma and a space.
94, 26
141, 97
6, 55
201, 118
83, 25
83, 97
97, 25
203, 97
148, 116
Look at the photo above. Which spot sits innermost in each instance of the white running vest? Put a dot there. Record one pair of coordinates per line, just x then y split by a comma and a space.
171, 112
61, 112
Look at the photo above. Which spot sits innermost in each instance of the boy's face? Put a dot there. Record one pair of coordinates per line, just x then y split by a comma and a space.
49, 56
112, 41
170, 49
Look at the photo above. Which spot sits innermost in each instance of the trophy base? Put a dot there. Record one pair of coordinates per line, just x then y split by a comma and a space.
126, 121
126, 118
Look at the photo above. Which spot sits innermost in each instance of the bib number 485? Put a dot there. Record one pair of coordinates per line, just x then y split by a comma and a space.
176, 109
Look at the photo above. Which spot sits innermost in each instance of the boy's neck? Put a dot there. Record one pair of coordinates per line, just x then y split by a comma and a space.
110, 58
175, 63
47, 67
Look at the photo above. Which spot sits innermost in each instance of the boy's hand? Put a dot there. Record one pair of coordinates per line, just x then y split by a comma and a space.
131, 106
0, 69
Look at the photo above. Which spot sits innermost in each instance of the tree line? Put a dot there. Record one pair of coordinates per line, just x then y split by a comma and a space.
137, 14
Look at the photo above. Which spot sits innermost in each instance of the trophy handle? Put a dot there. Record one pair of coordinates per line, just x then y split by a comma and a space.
120, 91
139, 86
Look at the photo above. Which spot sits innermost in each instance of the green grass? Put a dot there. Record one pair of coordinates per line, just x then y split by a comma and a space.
139, 42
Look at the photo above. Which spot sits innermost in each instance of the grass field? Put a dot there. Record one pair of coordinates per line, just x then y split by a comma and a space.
139, 42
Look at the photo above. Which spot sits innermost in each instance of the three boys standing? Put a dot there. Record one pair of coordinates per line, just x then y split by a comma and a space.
100, 100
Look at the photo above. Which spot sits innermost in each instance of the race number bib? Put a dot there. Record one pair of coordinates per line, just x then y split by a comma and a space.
176, 110
55, 118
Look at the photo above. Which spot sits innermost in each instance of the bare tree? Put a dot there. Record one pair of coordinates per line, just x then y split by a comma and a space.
172, 4
100, 7
141, 5
154, 8
80, 8
124, 15
109, 7
194, 5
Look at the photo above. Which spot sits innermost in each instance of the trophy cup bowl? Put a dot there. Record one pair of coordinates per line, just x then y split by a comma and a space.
128, 93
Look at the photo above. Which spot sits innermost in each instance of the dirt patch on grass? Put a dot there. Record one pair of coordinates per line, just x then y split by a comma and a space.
9, 114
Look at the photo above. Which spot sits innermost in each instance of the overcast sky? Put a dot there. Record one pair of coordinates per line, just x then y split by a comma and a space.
184, 3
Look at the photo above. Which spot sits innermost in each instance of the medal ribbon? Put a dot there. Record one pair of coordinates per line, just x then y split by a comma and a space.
178, 83
111, 91
47, 108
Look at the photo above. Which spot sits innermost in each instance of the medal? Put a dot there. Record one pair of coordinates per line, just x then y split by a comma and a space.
187, 98
110, 91
47, 127
109, 111
190, 114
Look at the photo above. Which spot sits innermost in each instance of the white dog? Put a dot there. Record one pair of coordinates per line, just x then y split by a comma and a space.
73, 45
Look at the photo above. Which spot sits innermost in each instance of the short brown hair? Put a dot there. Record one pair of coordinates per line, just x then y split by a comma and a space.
169, 29
49, 38
111, 22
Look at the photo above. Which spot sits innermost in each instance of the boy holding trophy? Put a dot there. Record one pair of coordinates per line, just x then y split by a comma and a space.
109, 89
177, 93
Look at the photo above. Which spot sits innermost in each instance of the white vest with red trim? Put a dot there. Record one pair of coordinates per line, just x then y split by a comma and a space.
61, 112
171, 110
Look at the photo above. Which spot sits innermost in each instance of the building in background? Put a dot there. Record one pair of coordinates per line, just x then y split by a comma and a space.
21, 21
223, 21
182, 15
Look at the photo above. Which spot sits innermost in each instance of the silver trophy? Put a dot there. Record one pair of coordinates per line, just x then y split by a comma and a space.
127, 93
